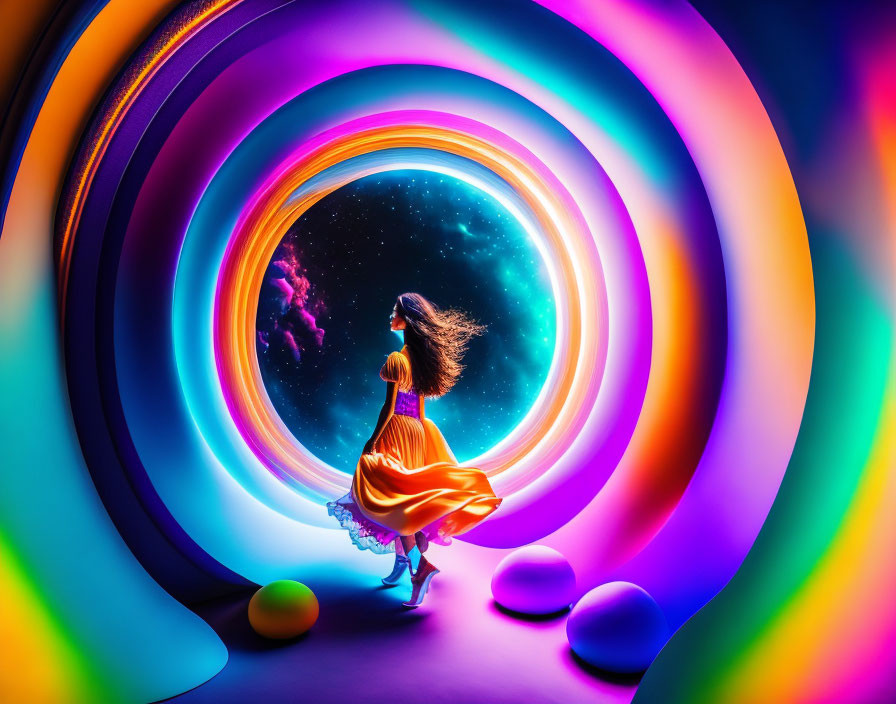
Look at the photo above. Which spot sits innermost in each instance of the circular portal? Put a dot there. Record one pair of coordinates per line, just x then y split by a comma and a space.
324, 307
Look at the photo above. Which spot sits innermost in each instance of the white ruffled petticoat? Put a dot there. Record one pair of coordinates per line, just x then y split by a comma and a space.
367, 534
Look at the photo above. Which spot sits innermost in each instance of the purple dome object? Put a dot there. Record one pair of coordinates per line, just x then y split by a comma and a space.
534, 579
617, 627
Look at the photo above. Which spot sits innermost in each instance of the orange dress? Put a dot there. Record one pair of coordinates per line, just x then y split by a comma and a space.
411, 481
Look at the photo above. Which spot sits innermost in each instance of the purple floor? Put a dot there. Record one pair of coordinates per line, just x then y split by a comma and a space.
458, 647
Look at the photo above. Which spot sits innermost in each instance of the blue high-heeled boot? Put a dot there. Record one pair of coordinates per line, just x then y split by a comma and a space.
421, 582
402, 563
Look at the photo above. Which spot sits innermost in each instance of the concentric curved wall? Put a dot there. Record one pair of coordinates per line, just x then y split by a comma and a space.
624, 137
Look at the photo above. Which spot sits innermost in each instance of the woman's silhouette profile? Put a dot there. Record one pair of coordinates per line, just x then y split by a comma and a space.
407, 488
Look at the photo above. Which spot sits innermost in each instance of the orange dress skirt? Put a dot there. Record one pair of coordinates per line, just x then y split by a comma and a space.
411, 482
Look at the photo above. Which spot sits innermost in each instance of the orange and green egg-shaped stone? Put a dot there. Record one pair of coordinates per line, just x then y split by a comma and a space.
283, 609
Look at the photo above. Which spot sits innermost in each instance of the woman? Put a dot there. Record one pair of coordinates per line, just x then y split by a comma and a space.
408, 488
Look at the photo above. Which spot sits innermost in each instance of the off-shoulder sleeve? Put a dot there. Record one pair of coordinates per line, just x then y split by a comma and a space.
396, 369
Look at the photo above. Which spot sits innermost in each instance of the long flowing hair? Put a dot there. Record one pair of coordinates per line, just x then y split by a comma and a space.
436, 340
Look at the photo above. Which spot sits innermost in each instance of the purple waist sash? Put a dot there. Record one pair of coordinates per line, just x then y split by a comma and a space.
407, 404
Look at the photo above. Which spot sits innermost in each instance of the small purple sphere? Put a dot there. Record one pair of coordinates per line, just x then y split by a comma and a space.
534, 580
617, 627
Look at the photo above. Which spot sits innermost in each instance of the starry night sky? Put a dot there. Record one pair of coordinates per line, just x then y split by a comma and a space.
323, 316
